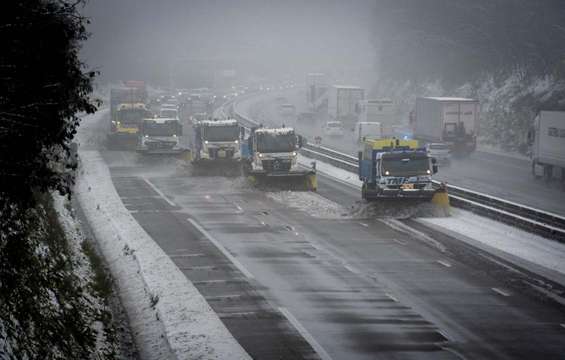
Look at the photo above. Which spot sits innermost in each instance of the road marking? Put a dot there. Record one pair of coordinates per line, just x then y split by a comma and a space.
185, 255
238, 314
351, 269
363, 224
204, 267
296, 234
391, 297
500, 292
207, 197
399, 241
219, 281
220, 247
562, 325
305, 334
444, 263
222, 297
239, 208
158, 192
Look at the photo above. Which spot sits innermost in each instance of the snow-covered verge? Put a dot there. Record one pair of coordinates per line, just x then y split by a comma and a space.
107, 340
504, 240
168, 315
538, 254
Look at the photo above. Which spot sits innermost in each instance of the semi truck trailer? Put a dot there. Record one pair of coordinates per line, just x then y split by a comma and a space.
547, 144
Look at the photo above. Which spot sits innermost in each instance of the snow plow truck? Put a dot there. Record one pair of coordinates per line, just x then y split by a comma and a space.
395, 169
271, 156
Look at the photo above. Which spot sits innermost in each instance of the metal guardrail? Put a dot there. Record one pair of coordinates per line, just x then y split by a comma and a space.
534, 220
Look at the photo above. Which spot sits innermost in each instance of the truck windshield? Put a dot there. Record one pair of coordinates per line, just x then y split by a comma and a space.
273, 143
132, 116
405, 165
169, 113
221, 133
153, 128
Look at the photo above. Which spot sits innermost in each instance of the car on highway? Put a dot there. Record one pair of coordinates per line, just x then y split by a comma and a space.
439, 151
333, 128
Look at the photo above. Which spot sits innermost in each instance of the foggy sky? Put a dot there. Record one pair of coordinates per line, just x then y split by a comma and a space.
143, 39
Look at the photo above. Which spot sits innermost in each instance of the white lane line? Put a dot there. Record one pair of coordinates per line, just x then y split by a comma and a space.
158, 191
401, 242
239, 208
363, 224
305, 334
391, 297
351, 269
500, 292
220, 247
562, 325
184, 255
444, 263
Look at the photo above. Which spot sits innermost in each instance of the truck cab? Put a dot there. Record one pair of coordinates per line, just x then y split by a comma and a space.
394, 169
128, 119
160, 136
274, 150
216, 140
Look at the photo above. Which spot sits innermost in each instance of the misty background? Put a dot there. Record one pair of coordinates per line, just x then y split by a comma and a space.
151, 40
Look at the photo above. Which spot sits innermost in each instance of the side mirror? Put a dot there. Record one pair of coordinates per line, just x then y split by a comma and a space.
300, 141
434, 169
434, 160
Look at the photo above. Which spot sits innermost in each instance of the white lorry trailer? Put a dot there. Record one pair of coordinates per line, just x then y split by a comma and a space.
316, 92
547, 141
379, 111
449, 120
344, 104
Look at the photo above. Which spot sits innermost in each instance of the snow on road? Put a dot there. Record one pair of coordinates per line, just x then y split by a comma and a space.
168, 315
311, 203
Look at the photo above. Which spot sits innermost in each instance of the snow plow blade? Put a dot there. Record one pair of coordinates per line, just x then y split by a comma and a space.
295, 181
441, 198
216, 167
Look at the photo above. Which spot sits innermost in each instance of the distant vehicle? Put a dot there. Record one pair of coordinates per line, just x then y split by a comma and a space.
216, 141
308, 117
169, 113
368, 130
127, 109
379, 111
333, 128
344, 104
547, 143
440, 152
169, 106
287, 109
449, 120
317, 86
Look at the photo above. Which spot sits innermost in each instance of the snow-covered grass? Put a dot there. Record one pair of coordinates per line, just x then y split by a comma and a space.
514, 244
169, 317
507, 239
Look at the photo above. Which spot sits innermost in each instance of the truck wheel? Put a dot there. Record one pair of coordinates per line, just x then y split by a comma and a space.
364, 192
534, 172
547, 172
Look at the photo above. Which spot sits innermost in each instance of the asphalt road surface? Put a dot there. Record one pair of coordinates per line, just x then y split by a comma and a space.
291, 272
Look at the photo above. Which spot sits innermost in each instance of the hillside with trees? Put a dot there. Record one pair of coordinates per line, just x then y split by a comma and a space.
501, 51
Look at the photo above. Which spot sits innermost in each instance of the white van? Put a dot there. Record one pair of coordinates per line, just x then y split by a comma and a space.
333, 128
368, 130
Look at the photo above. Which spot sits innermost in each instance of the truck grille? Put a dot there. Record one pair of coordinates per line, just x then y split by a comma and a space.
276, 165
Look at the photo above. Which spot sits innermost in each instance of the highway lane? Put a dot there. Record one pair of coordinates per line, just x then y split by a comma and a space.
498, 175
356, 288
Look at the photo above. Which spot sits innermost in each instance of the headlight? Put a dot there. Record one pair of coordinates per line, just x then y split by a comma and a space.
146, 136
387, 172
237, 141
294, 153
174, 135
205, 141
429, 171
259, 154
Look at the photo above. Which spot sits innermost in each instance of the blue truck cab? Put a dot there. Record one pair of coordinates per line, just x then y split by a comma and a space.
396, 169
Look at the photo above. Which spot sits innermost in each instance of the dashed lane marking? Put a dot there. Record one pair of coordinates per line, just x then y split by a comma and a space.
500, 292
223, 250
363, 224
158, 191
305, 334
391, 297
444, 263
351, 269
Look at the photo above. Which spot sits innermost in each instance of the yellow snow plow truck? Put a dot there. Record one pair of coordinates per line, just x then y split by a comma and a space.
271, 156
394, 169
